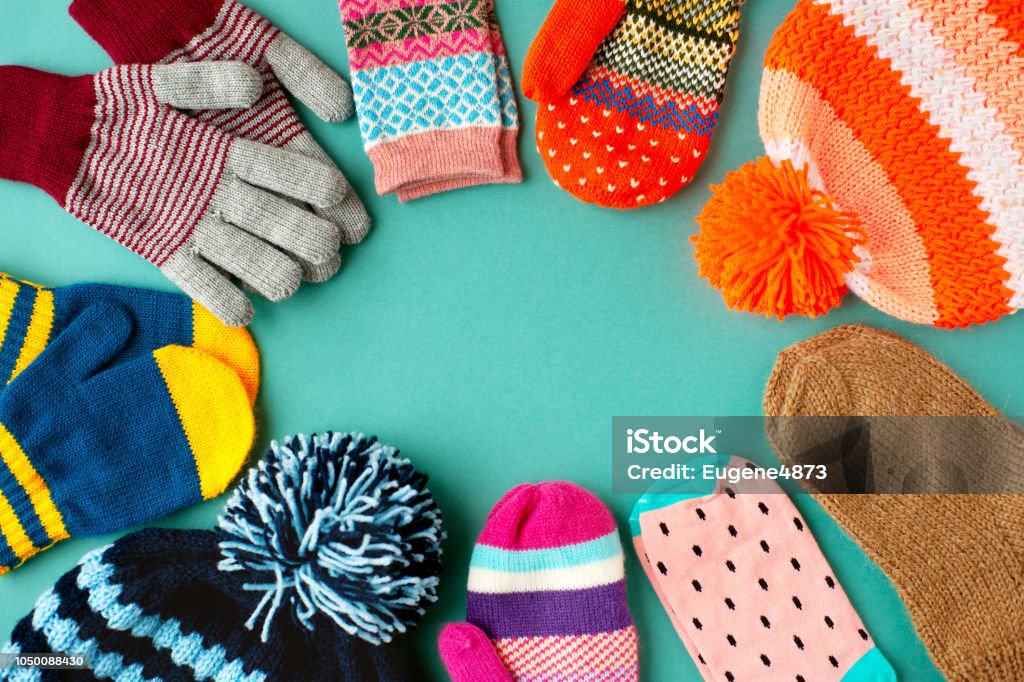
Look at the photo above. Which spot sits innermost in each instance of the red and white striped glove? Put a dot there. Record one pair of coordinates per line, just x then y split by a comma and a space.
175, 31
190, 198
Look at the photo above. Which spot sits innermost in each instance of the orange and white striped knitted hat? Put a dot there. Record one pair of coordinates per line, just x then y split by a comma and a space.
894, 132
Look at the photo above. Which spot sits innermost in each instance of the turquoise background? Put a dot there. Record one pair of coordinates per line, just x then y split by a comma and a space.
492, 333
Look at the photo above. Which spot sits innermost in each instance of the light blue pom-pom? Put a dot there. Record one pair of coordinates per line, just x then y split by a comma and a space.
335, 524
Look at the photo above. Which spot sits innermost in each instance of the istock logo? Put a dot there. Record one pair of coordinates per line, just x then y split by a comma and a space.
643, 441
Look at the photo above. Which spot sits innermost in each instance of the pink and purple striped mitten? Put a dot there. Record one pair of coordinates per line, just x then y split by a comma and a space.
547, 594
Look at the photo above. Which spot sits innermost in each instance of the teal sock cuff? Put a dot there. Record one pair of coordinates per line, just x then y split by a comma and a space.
872, 667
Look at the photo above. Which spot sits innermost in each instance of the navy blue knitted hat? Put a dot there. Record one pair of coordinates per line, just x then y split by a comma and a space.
327, 550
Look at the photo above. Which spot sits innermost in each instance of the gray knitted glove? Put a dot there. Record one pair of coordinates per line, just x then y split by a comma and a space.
174, 31
190, 198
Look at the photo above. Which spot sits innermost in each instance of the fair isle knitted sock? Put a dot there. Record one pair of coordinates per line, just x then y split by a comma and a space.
547, 587
508, 139
32, 316
747, 587
637, 124
426, 83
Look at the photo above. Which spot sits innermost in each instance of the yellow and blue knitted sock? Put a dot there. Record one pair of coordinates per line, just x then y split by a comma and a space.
88, 447
31, 316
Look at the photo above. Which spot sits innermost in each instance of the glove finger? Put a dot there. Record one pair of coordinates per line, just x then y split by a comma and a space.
259, 265
294, 229
207, 85
350, 217
350, 214
469, 656
311, 81
91, 341
310, 272
287, 173
209, 287
322, 272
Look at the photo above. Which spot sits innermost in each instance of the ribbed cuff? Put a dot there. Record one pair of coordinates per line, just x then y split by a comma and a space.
45, 125
144, 31
26, 315
435, 155
29, 519
513, 174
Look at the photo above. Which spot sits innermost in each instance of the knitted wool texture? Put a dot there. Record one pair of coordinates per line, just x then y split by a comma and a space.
630, 128
194, 200
181, 31
547, 586
840, 372
956, 560
434, 94
31, 316
154, 606
78, 436
908, 115
327, 549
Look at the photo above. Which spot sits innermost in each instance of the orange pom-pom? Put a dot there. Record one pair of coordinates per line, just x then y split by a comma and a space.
774, 245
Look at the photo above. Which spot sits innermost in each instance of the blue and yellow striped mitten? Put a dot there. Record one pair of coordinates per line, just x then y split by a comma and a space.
88, 447
31, 316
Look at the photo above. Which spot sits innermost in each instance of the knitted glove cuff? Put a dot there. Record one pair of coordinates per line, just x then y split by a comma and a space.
143, 31
45, 125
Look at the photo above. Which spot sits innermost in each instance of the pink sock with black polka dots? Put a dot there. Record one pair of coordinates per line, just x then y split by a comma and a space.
748, 589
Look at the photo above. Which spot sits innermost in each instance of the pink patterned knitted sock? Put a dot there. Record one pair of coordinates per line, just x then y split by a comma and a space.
507, 141
433, 92
747, 587
547, 587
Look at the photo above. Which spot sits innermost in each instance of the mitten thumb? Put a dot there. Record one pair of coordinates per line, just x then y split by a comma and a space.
565, 45
82, 349
469, 655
